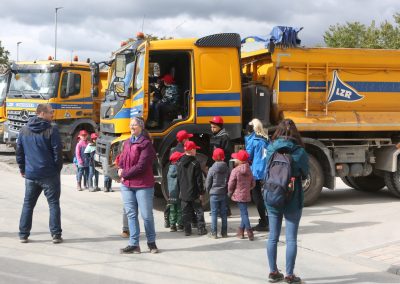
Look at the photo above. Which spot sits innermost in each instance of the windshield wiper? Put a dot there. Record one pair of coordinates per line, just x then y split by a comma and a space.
20, 93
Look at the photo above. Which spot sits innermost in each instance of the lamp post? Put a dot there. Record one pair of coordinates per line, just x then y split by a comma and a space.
55, 33
18, 43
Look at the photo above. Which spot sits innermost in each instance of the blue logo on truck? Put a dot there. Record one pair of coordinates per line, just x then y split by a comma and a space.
340, 91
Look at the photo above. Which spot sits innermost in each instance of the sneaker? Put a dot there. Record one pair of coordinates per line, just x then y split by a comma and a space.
202, 231
57, 239
173, 228
130, 249
274, 277
188, 233
23, 240
125, 234
212, 235
180, 228
292, 279
224, 235
261, 227
152, 247
166, 223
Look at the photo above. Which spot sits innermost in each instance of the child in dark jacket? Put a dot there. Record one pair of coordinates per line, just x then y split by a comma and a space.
174, 203
190, 184
216, 185
90, 150
240, 183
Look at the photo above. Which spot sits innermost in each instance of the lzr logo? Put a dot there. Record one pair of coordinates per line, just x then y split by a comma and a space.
340, 91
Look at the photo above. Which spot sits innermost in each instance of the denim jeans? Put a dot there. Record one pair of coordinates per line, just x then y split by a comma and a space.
95, 174
139, 199
218, 203
125, 226
82, 172
33, 188
107, 182
244, 216
292, 220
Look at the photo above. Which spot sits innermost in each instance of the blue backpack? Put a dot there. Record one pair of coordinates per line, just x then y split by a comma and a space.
279, 183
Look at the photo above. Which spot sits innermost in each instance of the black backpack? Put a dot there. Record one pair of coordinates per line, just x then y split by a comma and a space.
279, 182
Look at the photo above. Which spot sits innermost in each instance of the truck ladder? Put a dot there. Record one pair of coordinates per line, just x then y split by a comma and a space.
317, 72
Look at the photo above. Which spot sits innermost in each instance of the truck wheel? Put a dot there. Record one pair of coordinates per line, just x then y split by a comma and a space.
392, 181
371, 183
312, 186
71, 153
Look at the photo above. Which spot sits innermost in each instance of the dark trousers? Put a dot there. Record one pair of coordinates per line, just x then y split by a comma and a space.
51, 187
107, 182
188, 207
259, 202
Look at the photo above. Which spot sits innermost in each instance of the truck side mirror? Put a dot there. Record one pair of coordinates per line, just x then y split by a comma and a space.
95, 78
120, 66
119, 88
71, 78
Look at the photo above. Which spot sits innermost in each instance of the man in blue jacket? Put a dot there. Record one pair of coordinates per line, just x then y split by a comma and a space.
39, 157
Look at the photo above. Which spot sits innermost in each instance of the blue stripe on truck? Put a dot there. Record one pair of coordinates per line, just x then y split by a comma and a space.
221, 111
218, 97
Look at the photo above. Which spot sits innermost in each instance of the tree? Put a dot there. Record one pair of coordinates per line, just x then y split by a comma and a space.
3, 55
357, 35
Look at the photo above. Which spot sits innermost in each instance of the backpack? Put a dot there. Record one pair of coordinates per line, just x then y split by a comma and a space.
279, 183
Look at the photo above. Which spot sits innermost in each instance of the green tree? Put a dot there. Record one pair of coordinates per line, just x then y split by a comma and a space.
3, 55
357, 35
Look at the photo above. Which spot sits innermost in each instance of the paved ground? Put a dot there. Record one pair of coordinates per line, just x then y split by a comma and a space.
348, 237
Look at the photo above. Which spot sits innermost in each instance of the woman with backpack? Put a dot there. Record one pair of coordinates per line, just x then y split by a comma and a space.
286, 142
256, 145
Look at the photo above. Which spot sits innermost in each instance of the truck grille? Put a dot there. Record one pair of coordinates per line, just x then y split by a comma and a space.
18, 118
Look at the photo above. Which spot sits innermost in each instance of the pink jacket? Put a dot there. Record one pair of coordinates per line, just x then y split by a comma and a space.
136, 162
240, 183
79, 151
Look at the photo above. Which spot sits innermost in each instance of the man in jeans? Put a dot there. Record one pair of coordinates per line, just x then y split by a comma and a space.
39, 157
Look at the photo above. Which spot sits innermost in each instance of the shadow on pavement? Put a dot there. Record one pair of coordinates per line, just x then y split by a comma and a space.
362, 277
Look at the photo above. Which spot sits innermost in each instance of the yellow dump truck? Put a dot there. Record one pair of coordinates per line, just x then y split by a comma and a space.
4, 83
343, 101
73, 89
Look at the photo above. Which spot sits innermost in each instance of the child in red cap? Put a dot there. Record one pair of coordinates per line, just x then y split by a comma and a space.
90, 151
174, 203
216, 185
82, 162
190, 183
240, 183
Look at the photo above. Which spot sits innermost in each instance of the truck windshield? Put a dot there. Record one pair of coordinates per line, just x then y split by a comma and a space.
3, 87
130, 64
34, 84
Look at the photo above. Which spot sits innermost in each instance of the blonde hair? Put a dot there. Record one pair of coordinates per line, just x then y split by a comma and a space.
258, 128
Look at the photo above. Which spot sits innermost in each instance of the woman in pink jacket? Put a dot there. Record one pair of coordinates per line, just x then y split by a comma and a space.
240, 183
137, 185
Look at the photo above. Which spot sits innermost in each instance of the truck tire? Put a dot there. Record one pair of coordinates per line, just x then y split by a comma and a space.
71, 153
312, 186
392, 181
371, 183
347, 182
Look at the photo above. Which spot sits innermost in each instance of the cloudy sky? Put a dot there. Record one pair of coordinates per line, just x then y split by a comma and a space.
95, 28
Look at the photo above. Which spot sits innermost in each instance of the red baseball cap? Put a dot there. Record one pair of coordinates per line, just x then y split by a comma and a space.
176, 156
182, 135
94, 136
190, 145
218, 154
241, 155
168, 79
83, 133
217, 120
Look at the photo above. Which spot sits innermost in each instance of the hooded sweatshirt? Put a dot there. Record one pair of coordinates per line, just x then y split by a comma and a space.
217, 178
221, 140
190, 178
240, 183
39, 149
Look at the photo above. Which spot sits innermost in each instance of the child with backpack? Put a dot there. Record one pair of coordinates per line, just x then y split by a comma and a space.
82, 163
90, 150
216, 186
174, 202
240, 183
284, 196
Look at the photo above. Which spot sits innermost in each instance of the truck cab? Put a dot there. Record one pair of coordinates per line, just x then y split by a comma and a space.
4, 83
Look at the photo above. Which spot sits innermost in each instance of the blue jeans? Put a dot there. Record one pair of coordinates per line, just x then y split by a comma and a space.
139, 199
95, 174
33, 188
107, 182
292, 220
218, 203
82, 172
244, 216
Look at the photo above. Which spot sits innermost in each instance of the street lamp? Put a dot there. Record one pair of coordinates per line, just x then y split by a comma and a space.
18, 43
55, 33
